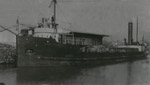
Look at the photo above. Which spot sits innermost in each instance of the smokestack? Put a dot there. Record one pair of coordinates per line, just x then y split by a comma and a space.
130, 33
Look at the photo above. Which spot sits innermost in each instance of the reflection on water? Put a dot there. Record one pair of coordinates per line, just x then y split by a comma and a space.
7, 75
125, 73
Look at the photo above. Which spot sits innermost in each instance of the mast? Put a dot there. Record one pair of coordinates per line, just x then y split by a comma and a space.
53, 18
54, 12
54, 22
17, 41
137, 30
17, 22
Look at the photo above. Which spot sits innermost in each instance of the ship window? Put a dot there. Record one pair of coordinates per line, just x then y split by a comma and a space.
29, 50
47, 41
30, 32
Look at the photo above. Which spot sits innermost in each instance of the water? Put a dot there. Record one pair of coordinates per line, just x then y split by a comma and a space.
123, 73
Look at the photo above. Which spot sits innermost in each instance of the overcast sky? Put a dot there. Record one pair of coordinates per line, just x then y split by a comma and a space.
109, 17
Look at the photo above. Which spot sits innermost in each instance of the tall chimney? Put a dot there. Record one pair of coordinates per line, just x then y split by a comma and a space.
130, 33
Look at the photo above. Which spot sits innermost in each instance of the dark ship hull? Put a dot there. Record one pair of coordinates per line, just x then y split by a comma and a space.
46, 45
33, 51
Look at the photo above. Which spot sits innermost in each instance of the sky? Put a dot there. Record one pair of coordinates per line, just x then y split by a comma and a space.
108, 17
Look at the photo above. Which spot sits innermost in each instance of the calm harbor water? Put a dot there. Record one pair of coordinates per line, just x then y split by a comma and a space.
123, 73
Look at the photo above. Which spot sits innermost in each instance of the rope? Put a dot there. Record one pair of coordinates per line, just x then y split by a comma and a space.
8, 28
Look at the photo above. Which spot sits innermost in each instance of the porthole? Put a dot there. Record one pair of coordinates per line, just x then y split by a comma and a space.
47, 41
28, 51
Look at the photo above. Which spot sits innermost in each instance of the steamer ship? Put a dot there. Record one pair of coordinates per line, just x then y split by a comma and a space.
46, 45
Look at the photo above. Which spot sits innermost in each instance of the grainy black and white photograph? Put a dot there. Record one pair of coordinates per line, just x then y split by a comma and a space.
74, 42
